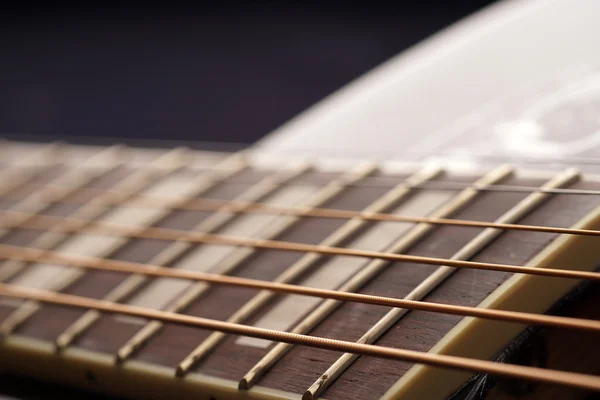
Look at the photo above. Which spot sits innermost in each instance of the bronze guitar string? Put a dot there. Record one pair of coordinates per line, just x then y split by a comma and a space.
332, 153
80, 225
329, 213
578, 380
207, 204
32, 255
366, 182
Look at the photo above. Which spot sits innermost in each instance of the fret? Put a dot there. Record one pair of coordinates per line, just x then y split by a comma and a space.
98, 284
419, 330
160, 293
220, 302
150, 354
19, 235
337, 270
171, 252
48, 276
84, 244
332, 274
275, 225
69, 181
27, 158
4, 143
371, 270
13, 176
513, 292
304, 264
517, 212
230, 166
25, 169
209, 257
47, 199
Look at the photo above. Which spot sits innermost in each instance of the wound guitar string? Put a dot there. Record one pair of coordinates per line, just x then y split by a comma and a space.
68, 225
76, 225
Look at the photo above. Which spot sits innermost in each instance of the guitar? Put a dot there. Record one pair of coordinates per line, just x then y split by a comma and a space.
370, 248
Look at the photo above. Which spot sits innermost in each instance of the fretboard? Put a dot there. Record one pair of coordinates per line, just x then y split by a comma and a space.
331, 226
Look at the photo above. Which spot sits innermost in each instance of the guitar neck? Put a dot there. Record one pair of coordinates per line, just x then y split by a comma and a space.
84, 201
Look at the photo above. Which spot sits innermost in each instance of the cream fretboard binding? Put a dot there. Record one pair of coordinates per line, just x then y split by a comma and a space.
259, 252
521, 209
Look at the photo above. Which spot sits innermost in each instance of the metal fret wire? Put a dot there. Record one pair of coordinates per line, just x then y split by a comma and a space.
11, 184
572, 379
369, 272
387, 200
101, 228
231, 166
262, 189
167, 163
239, 206
436, 278
47, 151
329, 191
31, 206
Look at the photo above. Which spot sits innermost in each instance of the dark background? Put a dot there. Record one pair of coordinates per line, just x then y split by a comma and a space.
228, 72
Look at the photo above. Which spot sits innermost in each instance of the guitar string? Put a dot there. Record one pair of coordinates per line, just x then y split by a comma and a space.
299, 153
111, 158
80, 225
84, 195
572, 379
369, 182
175, 249
243, 207
430, 282
341, 216
236, 258
195, 186
395, 240
33, 255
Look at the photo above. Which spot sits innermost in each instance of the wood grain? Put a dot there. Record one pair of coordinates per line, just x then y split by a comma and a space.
367, 377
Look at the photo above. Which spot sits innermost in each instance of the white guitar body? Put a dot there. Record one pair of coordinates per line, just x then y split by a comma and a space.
484, 87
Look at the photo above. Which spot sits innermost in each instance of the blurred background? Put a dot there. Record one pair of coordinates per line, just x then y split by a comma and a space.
229, 72
226, 72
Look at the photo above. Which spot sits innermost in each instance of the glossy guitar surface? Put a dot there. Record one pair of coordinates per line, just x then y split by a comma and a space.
494, 120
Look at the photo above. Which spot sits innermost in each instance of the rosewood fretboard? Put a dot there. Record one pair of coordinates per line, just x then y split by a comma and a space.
136, 357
